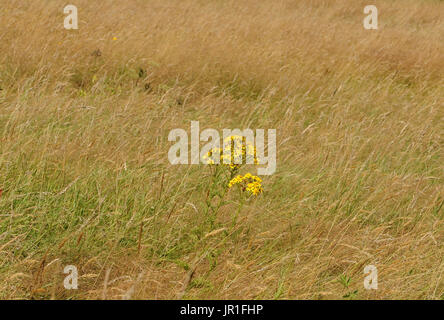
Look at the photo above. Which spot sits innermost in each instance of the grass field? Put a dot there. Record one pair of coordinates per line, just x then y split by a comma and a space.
85, 178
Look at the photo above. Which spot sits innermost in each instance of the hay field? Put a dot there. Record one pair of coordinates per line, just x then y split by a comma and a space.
85, 178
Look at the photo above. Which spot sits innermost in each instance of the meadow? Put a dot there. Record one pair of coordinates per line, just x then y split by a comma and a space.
85, 178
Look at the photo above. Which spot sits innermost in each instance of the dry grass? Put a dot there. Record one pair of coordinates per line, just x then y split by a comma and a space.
83, 153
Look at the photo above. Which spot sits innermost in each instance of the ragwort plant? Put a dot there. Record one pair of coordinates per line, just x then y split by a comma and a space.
226, 165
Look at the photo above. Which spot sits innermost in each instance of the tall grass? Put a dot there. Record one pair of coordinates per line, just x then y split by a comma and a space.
84, 121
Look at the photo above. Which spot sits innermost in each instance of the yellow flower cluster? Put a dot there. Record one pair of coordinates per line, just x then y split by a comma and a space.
210, 156
236, 150
248, 182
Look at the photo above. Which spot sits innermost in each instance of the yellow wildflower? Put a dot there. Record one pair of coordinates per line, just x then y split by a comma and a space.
248, 182
234, 154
